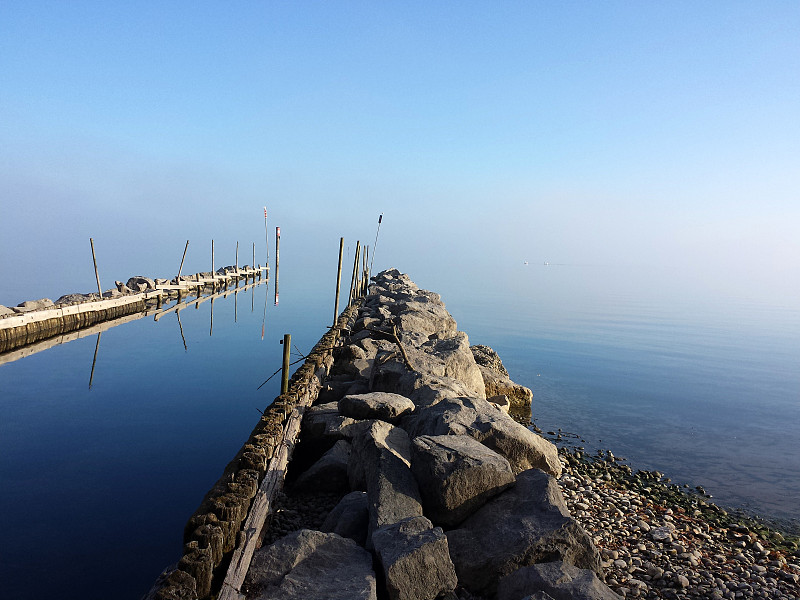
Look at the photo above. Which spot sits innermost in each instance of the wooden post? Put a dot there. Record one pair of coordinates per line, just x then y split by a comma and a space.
277, 260
178, 278
96, 275
287, 346
354, 278
338, 281
366, 274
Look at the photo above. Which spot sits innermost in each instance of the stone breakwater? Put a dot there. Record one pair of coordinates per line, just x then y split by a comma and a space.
441, 494
407, 482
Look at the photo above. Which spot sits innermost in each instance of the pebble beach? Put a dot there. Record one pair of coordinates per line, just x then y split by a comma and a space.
658, 540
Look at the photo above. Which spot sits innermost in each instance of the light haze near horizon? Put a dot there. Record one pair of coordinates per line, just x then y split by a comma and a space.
663, 136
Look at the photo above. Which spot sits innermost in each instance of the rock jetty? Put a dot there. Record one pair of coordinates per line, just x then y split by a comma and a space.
410, 480
443, 494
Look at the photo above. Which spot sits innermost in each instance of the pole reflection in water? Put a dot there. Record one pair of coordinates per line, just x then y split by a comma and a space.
185, 347
264, 319
211, 327
94, 360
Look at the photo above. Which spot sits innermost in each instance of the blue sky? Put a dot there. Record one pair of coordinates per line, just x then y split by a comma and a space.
488, 133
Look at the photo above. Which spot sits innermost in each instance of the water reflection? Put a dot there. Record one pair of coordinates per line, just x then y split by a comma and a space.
114, 471
94, 360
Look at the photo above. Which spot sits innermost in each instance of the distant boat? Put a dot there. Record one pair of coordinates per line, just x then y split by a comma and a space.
546, 263
526, 262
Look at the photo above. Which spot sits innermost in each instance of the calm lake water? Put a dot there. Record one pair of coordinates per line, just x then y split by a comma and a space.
98, 483
705, 388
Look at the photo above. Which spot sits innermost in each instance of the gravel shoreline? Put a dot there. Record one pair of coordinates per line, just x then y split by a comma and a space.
659, 541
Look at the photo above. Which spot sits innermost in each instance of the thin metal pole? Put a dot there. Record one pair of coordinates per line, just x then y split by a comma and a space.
213, 273
178, 278
287, 346
338, 281
96, 275
237, 258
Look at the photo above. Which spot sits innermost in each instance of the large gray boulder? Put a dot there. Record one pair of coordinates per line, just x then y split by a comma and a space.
138, 283
383, 406
36, 304
324, 422
455, 354
349, 518
487, 357
426, 318
5, 311
498, 385
328, 474
456, 476
335, 389
381, 462
73, 298
493, 428
415, 559
311, 565
559, 580
422, 388
527, 524
496, 380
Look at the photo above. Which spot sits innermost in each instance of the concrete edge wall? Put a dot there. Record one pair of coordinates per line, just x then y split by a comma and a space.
27, 328
24, 329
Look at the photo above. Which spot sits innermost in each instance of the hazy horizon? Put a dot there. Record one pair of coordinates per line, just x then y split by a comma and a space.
662, 136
